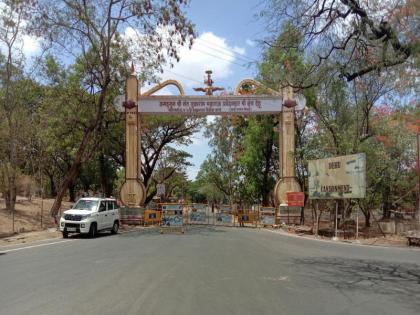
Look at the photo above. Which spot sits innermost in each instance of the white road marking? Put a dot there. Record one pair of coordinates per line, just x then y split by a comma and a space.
31, 242
49, 239
33, 246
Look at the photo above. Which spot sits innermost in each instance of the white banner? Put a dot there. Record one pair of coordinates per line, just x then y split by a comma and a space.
209, 105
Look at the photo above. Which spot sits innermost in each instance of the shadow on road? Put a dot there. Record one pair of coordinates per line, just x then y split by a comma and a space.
203, 229
189, 230
86, 236
401, 282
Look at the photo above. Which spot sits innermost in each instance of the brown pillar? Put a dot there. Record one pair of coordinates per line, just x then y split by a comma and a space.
132, 192
287, 181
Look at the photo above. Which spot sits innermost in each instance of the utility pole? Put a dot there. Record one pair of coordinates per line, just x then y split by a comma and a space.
418, 175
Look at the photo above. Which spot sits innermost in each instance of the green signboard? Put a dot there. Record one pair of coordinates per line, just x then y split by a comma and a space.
338, 177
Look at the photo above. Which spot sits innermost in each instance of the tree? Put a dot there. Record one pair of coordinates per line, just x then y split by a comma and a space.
157, 133
170, 171
259, 159
12, 27
208, 183
90, 31
361, 37
221, 169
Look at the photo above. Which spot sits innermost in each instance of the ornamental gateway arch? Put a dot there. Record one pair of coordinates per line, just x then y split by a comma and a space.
135, 104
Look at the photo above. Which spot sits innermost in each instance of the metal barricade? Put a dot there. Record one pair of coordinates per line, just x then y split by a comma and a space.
172, 218
132, 216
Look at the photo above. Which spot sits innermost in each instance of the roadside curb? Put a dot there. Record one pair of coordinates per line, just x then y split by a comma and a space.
284, 233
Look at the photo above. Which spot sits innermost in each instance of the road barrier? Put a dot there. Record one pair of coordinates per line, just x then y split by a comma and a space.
267, 216
172, 219
225, 216
198, 214
152, 217
132, 216
247, 217
290, 215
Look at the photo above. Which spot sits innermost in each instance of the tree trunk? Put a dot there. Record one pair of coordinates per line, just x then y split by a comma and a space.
366, 214
302, 215
150, 197
71, 173
11, 172
367, 219
53, 188
72, 192
265, 189
386, 214
102, 172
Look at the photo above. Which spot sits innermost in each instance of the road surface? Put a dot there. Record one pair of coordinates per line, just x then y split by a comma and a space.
209, 270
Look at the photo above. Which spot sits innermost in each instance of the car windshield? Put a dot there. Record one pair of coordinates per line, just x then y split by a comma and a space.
86, 205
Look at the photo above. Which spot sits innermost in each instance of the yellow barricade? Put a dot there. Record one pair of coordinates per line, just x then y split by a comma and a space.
152, 217
247, 217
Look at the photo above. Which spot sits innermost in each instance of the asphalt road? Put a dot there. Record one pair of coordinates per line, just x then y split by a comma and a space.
208, 270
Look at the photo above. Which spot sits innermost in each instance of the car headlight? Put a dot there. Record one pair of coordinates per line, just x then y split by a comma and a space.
84, 217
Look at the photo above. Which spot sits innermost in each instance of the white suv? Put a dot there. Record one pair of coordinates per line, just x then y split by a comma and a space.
90, 215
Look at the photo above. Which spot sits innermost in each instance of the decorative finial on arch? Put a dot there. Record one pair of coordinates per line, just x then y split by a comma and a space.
132, 70
209, 89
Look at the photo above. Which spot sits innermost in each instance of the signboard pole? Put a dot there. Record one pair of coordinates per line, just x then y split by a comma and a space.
357, 223
418, 173
336, 220
317, 217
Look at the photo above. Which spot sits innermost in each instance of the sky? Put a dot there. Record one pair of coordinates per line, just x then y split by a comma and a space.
227, 44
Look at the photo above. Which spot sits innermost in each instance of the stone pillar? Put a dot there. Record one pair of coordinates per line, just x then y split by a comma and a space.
132, 192
287, 181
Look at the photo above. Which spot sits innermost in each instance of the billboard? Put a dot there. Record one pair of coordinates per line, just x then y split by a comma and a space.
338, 177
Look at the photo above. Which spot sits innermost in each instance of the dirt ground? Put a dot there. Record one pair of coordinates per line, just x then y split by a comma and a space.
27, 216
375, 238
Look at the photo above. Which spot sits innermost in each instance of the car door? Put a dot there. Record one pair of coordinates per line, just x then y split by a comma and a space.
111, 213
116, 211
102, 216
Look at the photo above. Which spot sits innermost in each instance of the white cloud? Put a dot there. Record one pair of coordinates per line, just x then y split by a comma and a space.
30, 46
250, 42
25, 46
209, 52
192, 172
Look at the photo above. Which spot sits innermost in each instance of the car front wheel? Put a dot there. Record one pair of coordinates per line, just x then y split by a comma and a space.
115, 228
93, 230
65, 234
